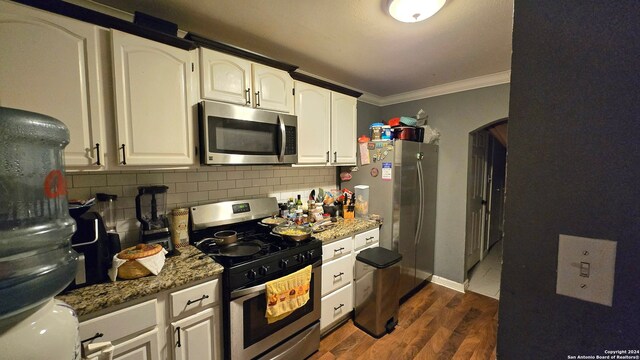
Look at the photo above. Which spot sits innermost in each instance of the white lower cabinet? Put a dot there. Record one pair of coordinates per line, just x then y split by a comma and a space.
336, 306
142, 347
179, 325
197, 336
338, 286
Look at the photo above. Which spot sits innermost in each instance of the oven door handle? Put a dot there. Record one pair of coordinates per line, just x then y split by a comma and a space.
283, 139
258, 289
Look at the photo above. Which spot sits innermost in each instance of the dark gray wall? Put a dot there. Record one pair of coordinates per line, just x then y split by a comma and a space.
574, 168
367, 114
455, 116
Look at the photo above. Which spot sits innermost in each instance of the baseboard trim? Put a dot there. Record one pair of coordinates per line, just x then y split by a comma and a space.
459, 287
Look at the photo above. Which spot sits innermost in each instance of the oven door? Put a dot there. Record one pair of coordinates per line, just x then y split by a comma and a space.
232, 134
250, 333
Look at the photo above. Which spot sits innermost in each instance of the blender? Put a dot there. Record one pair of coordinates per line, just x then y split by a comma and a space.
151, 204
107, 209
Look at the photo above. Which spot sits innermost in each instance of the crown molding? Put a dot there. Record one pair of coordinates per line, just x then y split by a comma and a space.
503, 77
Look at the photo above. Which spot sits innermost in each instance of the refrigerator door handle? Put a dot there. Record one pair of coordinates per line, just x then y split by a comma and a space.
421, 201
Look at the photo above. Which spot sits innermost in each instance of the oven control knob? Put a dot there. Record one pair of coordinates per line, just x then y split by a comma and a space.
302, 257
283, 263
310, 254
263, 270
251, 274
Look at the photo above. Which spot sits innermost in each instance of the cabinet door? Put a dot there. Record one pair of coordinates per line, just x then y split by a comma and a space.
49, 66
313, 107
142, 347
197, 336
343, 129
152, 85
225, 78
273, 89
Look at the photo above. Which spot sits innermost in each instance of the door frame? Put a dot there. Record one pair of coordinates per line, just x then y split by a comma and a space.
486, 197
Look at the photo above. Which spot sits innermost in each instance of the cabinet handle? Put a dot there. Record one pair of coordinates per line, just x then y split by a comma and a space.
336, 250
197, 300
98, 154
247, 96
336, 308
369, 238
178, 343
257, 98
327, 156
96, 336
338, 275
335, 156
124, 156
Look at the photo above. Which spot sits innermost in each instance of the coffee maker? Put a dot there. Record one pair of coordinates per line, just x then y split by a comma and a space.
151, 204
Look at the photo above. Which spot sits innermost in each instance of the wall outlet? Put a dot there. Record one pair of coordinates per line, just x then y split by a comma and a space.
586, 268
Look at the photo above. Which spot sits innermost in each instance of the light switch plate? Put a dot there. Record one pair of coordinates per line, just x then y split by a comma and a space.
586, 268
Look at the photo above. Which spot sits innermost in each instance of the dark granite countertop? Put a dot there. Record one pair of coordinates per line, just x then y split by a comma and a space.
187, 267
346, 228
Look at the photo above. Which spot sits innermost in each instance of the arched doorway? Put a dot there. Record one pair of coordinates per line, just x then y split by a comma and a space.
486, 191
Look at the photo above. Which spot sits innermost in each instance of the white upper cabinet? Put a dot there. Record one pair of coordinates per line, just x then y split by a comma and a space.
49, 65
153, 98
313, 108
343, 129
273, 89
225, 77
231, 79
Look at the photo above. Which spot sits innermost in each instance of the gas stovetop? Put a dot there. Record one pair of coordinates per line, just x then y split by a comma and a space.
270, 256
276, 257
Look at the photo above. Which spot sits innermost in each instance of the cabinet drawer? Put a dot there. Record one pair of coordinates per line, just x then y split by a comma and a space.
366, 238
336, 306
195, 297
336, 249
121, 323
336, 274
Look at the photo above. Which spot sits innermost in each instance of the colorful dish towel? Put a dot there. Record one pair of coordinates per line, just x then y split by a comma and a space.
287, 294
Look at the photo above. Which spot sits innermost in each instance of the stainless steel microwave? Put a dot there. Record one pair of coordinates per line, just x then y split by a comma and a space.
238, 135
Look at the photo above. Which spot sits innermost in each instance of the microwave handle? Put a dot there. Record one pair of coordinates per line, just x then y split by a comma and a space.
283, 139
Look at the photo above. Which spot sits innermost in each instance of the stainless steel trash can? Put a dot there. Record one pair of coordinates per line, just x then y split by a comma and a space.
376, 293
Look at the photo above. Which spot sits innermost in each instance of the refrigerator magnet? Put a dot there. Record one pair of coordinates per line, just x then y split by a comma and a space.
374, 172
386, 171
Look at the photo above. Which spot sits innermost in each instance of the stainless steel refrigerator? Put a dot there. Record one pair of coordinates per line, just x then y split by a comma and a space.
402, 179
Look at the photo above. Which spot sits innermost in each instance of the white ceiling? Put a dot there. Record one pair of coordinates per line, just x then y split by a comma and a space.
354, 42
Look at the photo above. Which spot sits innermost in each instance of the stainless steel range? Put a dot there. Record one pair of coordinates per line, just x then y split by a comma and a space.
255, 258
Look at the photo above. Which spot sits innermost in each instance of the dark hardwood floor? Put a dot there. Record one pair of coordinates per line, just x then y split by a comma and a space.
436, 323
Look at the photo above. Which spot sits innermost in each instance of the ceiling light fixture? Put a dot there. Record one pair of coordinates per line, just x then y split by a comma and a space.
414, 10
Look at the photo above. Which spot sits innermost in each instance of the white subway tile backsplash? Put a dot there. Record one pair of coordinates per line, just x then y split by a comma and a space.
217, 194
234, 175
226, 184
147, 179
217, 176
236, 192
208, 185
195, 187
244, 183
197, 176
197, 196
252, 174
175, 177
121, 179
186, 187
89, 180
